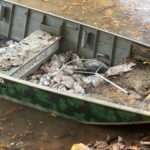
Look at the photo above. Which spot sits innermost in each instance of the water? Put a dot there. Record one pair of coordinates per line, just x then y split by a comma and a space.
126, 17
34, 130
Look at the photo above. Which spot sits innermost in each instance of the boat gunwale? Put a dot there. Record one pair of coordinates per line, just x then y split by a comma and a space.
78, 22
85, 98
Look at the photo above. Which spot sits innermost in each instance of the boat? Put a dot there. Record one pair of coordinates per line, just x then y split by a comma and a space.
19, 22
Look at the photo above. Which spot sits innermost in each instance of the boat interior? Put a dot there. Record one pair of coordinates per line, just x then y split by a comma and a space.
71, 57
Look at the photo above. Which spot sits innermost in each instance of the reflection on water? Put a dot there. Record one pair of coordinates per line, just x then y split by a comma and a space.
126, 17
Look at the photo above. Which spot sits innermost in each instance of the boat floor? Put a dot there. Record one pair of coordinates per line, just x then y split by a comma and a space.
20, 130
137, 80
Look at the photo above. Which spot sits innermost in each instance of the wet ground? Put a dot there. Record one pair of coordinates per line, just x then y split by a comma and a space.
126, 17
23, 128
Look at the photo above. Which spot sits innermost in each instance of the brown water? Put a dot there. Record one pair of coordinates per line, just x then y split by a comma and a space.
126, 17
29, 129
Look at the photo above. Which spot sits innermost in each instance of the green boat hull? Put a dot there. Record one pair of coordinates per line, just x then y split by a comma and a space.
68, 106
87, 41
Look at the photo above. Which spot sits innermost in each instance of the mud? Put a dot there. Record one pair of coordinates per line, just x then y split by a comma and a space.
29, 129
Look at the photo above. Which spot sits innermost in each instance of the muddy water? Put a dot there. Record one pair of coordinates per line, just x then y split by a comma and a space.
30, 129
126, 17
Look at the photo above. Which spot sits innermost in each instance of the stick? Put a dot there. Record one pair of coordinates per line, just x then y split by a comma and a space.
105, 79
112, 83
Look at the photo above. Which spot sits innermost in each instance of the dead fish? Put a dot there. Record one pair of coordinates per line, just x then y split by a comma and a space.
78, 88
44, 80
77, 61
69, 69
95, 65
93, 80
67, 81
3, 50
118, 69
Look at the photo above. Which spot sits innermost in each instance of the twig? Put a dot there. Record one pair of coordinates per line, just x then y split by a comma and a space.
112, 83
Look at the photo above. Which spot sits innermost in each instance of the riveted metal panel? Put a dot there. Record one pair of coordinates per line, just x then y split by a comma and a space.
2, 12
70, 34
18, 23
5, 24
52, 24
34, 21
88, 42
122, 51
105, 46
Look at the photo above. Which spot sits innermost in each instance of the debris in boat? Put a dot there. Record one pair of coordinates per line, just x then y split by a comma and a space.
7, 44
11, 43
113, 84
102, 77
95, 66
61, 73
93, 80
68, 83
67, 72
15, 54
136, 82
141, 53
134, 95
119, 69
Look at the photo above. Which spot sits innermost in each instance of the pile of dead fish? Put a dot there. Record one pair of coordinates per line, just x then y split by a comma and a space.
68, 72
120, 144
